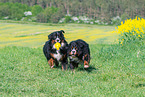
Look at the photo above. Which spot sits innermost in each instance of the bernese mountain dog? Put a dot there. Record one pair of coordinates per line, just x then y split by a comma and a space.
53, 55
78, 52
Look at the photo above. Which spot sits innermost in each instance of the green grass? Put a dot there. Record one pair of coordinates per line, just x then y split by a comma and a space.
115, 71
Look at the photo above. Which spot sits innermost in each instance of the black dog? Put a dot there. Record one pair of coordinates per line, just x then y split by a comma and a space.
79, 51
52, 54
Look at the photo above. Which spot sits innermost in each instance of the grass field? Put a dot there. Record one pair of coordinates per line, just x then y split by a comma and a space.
115, 70
28, 35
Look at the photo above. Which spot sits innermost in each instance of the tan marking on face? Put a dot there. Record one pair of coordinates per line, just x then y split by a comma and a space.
52, 41
74, 49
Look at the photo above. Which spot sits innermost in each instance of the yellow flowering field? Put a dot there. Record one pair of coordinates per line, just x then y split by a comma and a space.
29, 35
131, 30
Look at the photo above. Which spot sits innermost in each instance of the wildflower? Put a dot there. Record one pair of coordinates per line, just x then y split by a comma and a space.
28, 13
131, 29
75, 18
91, 23
121, 43
139, 36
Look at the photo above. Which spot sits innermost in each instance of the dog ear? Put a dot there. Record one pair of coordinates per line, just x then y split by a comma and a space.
50, 36
80, 45
79, 50
68, 49
79, 53
62, 31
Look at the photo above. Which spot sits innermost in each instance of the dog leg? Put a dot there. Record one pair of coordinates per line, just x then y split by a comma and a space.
86, 59
64, 62
76, 65
63, 66
56, 63
71, 65
51, 63
86, 64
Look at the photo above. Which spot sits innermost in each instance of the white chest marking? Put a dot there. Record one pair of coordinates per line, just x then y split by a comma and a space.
57, 56
62, 44
53, 47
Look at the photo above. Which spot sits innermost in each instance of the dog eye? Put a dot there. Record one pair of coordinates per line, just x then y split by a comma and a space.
71, 47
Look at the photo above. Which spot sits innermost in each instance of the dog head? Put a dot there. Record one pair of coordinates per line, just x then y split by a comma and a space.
74, 49
56, 36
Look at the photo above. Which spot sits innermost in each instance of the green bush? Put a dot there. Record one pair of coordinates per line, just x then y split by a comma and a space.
67, 19
13, 11
36, 9
124, 16
41, 17
48, 15
4, 10
57, 16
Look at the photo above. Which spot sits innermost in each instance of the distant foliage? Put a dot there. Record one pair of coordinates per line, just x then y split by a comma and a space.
132, 30
13, 11
49, 14
67, 19
116, 20
86, 20
36, 9
104, 12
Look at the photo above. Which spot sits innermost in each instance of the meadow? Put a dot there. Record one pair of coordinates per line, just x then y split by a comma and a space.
28, 35
115, 70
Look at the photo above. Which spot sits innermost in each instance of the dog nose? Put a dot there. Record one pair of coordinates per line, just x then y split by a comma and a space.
57, 40
73, 52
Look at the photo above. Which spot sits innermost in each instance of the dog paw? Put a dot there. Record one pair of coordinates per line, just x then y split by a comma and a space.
86, 66
52, 66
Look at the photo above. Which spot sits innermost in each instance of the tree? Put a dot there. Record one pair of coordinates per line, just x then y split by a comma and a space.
4, 10
47, 14
96, 9
36, 9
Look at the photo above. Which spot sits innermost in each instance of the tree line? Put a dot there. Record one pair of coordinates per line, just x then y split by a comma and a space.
54, 10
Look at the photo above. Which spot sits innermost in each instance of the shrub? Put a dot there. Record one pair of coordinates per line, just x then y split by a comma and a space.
116, 20
67, 19
131, 30
124, 16
28, 13
4, 10
36, 9
41, 17
46, 15
56, 16
13, 10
